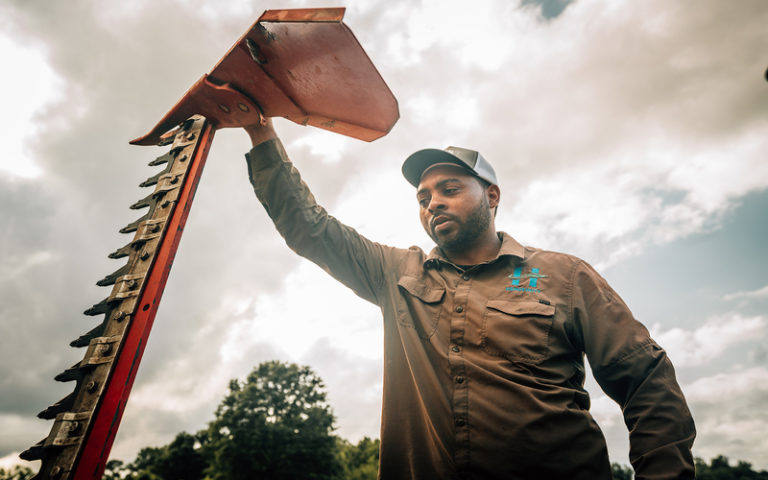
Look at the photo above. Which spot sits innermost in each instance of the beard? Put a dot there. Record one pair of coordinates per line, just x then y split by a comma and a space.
468, 231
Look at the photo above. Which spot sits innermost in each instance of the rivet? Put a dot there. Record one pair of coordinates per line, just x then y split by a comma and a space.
131, 284
192, 136
55, 471
106, 349
74, 427
145, 255
243, 107
120, 316
183, 158
91, 386
155, 228
224, 108
174, 180
165, 204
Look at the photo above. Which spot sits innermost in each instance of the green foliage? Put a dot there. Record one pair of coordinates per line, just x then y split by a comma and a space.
181, 459
721, 469
622, 472
17, 472
275, 425
115, 470
361, 461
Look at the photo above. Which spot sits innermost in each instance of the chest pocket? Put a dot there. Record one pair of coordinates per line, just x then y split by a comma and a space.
517, 331
419, 305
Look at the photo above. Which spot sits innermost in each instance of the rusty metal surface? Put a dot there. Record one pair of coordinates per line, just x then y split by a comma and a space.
304, 65
86, 421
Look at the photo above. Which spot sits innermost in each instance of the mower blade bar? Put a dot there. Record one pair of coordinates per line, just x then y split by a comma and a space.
86, 420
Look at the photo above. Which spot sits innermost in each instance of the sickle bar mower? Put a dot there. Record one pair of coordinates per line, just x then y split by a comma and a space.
304, 65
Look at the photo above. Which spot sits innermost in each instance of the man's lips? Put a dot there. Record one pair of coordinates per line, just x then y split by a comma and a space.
439, 222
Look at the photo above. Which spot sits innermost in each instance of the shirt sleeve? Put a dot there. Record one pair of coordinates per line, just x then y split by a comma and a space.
635, 372
309, 230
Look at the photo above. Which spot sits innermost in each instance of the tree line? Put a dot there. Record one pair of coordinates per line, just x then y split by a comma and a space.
277, 425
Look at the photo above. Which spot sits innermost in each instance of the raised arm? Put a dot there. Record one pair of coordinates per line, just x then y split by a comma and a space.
306, 226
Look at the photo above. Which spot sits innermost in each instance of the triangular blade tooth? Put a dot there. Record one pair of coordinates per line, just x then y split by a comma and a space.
112, 277
35, 452
98, 309
145, 202
84, 339
121, 252
131, 227
161, 160
154, 178
61, 406
72, 373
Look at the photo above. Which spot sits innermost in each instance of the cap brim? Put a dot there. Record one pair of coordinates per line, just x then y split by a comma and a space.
415, 165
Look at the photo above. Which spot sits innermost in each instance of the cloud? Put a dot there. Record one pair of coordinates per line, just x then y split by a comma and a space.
705, 344
18, 123
613, 128
747, 295
730, 414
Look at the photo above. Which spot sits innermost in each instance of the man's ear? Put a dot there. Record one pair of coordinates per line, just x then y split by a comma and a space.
494, 195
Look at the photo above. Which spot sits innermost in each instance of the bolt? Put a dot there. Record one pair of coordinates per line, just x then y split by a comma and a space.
91, 386
183, 157
120, 316
145, 255
106, 349
224, 108
165, 204
55, 471
131, 284
191, 136
155, 228
243, 107
174, 180
74, 427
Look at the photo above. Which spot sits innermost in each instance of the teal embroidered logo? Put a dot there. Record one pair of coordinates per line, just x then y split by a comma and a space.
533, 280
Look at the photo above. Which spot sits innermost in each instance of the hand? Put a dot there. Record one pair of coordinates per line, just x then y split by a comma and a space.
261, 132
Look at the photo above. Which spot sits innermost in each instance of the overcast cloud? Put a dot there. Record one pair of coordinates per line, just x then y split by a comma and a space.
632, 134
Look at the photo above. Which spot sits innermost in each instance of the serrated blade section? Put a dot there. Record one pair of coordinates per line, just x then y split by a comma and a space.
86, 421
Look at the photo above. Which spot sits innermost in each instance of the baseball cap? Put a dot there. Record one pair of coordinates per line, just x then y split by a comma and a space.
417, 163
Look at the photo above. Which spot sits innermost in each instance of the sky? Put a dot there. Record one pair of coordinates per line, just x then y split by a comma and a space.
631, 134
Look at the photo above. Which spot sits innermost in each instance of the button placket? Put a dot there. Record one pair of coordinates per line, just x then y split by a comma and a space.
456, 353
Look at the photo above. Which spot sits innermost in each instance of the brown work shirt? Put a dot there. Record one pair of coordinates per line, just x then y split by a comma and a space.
484, 367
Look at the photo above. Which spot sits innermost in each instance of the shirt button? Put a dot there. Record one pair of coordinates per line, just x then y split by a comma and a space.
459, 309
460, 422
455, 349
459, 379
465, 278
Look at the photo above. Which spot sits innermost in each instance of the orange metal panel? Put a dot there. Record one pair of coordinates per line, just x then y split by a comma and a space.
304, 15
304, 65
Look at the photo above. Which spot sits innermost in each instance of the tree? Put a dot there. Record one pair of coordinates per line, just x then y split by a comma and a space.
361, 461
622, 472
182, 459
275, 425
721, 469
17, 472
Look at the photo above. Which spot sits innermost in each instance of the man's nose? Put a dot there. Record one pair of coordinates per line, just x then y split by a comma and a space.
435, 204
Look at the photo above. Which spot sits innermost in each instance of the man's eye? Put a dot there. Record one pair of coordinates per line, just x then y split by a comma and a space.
423, 202
450, 191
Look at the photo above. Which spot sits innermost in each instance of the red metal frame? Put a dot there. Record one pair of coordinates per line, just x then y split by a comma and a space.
106, 418
305, 65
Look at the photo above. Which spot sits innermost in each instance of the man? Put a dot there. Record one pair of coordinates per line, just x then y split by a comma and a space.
484, 339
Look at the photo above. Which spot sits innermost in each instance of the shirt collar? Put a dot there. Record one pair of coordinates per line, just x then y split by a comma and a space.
509, 247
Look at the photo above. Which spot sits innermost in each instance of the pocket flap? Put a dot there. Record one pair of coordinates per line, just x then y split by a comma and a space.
522, 308
421, 290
